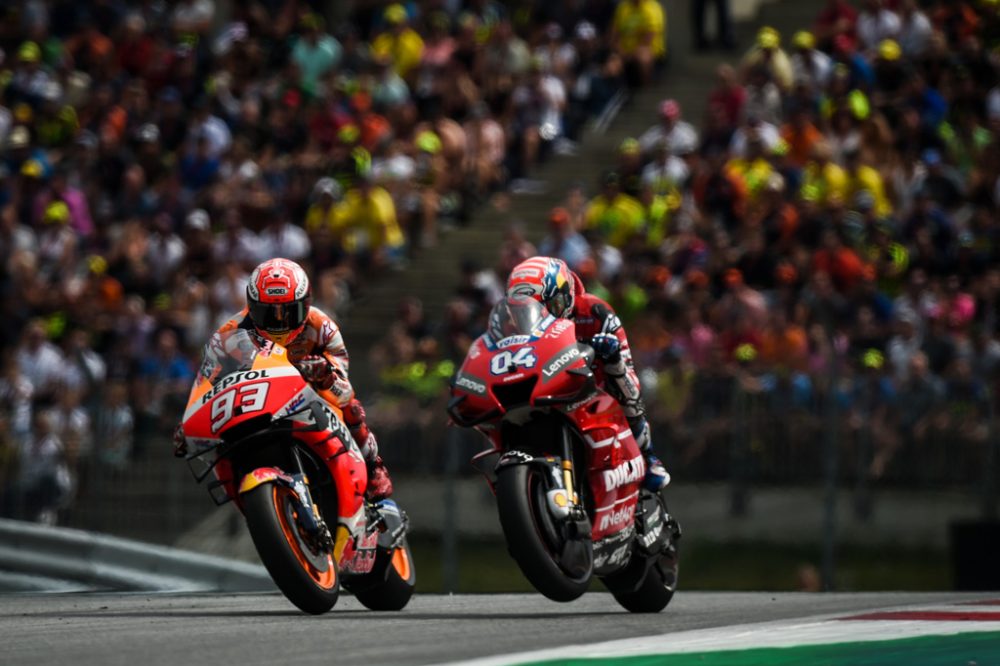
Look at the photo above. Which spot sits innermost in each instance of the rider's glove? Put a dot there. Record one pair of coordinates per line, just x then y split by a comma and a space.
607, 347
640, 430
316, 370
180, 442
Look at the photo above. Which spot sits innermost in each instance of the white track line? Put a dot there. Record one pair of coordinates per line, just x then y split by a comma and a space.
785, 633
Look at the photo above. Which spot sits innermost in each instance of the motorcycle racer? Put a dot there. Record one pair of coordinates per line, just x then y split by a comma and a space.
554, 285
279, 310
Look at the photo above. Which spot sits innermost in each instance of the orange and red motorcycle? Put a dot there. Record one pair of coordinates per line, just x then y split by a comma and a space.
283, 455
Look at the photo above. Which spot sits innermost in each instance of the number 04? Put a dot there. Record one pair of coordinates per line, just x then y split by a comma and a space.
252, 399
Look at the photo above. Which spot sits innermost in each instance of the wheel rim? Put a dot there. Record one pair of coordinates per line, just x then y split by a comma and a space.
401, 563
324, 575
545, 528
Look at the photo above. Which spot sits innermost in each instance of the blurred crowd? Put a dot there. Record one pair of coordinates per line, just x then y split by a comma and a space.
827, 235
151, 153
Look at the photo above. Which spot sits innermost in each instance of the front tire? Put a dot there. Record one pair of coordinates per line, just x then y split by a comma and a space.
532, 537
398, 580
308, 578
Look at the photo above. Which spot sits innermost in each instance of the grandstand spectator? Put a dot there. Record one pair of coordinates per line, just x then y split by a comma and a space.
612, 213
723, 21
680, 136
876, 23
114, 427
638, 35
563, 241
768, 54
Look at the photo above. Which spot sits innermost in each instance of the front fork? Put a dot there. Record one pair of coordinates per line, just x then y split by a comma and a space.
309, 517
564, 501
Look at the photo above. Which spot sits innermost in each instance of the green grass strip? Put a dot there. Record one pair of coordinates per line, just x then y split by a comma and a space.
952, 650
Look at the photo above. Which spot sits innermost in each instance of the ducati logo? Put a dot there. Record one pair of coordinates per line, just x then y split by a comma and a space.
629, 471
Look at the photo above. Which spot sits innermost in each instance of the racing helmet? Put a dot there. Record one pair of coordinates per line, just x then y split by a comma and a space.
548, 280
278, 300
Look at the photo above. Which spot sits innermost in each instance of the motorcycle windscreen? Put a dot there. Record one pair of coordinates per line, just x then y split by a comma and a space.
515, 315
233, 351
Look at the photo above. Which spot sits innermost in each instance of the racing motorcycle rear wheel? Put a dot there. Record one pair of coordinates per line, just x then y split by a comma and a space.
656, 589
533, 538
306, 574
396, 580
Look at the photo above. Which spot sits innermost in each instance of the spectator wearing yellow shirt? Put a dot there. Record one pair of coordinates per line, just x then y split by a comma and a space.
400, 43
616, 215
638, 34
863, 178
367, 219
753, 169
824, 179
323, 212
767, 52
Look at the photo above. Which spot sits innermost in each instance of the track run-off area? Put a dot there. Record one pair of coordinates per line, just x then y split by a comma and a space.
708, 629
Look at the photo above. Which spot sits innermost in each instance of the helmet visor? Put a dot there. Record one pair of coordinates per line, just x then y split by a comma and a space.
559, 303
278, 317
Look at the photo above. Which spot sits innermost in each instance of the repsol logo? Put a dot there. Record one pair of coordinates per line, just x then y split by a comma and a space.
629, 471
564, 359
466, 382
622, 516
232, 380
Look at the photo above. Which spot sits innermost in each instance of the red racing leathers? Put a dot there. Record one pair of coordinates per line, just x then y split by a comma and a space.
593, 317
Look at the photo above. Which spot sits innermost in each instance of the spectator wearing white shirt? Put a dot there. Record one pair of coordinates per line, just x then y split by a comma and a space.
210, 127
39, 360
85, 369
809, 64
915, 29
236, 242
229, 291
766, 133
193, 16
876, 23
165, 249
46, 480
15, 398
114, 427
665, 171
681, 137
281, 239
70, 422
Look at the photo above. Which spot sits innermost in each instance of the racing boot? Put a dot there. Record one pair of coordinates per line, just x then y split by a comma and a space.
379, 483
657, 477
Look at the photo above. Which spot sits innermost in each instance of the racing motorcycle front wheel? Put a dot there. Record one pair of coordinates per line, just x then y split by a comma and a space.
303, 571
536, 542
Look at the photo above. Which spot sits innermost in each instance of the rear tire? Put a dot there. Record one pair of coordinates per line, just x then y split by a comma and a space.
519, 503
657, 588
304, 577
399, 579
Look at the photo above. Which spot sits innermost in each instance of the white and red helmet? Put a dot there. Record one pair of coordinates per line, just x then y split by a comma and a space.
278, 300
547, 280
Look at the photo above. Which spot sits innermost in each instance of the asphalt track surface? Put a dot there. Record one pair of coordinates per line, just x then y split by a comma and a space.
150, 630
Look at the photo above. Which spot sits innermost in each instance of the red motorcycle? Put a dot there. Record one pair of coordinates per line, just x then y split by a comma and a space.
283, 455
529, 387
